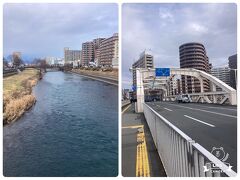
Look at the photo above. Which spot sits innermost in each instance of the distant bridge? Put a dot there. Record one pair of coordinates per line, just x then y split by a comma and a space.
47, 68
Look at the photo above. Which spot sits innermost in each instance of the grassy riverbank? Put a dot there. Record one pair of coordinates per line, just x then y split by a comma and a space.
17, 94
105, 74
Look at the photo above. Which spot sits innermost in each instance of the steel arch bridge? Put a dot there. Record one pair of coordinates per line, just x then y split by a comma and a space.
145, 79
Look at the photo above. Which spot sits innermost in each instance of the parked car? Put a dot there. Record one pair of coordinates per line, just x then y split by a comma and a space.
184, 98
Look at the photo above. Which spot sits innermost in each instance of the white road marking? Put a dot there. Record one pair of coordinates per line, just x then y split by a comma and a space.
168, 109
199, 120
164, 108
204, 111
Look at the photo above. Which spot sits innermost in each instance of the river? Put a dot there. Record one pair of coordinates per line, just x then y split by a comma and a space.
72, 130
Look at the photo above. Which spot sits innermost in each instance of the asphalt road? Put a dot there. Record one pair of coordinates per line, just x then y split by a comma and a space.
207, 124
130, 123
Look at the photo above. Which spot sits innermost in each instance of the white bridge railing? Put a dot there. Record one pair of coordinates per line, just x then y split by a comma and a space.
180, 155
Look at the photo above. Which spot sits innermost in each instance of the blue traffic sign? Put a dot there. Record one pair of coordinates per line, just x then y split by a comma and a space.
134, 88
162, 71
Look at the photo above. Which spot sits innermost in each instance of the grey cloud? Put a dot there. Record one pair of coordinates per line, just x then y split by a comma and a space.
44, 29
164, 27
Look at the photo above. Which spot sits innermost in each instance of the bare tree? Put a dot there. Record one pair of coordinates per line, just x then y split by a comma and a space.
43, 64
17, 61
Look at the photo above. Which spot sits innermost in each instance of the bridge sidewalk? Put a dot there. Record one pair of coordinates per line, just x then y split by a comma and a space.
139, 154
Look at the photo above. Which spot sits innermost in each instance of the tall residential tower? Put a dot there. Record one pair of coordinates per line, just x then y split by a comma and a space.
87, 53
193, 55
145, 61
232, 64
109, 50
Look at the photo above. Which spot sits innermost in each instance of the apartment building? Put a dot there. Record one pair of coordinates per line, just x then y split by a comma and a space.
145, 61
96, 44
232, 64
222, 73
71, 55
109, 50
87, 53
193, 55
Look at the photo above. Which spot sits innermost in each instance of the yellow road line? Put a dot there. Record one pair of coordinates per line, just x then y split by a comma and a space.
146, 162
142, 162
126, 108
137, 161
133, 127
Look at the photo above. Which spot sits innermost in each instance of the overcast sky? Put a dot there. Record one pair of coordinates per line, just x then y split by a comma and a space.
40, 30
164, 27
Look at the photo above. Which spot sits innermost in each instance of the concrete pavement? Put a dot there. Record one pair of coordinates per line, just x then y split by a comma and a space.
209, 125
139, 154
108, 80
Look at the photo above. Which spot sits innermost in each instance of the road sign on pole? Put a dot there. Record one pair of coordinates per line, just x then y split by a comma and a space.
134, 88
162, 72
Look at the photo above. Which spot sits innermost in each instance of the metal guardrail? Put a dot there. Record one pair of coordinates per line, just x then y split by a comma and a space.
6, 71
180, 155
9, 72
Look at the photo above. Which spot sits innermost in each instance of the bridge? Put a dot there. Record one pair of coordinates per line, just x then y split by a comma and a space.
192, 140
146, 79
47, 68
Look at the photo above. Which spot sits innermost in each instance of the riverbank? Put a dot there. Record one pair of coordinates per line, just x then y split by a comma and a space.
110, 77
17, 94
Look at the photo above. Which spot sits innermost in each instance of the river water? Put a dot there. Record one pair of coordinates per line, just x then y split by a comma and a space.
72, 130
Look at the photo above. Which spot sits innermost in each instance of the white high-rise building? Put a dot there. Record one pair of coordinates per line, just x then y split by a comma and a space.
222, 73
145, 61
54, 61
109, 50
71, 55
50, 60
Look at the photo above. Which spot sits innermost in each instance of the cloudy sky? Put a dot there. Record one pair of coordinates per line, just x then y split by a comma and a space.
40, 30
164, 27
